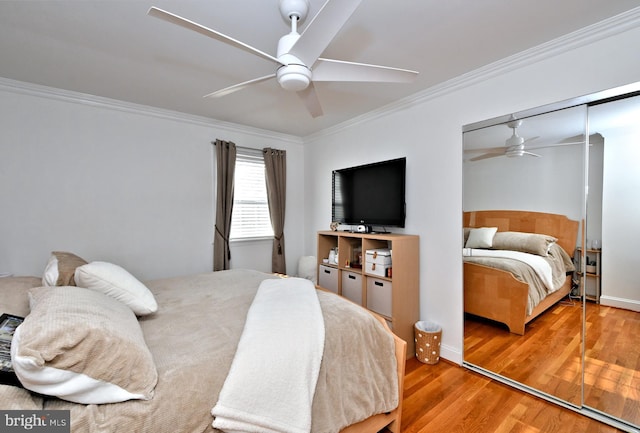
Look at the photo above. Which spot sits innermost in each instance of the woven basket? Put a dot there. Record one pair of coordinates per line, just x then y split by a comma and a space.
427, 338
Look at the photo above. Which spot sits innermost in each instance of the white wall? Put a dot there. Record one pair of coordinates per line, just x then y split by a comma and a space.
620, 217
120, 183
428, 131
552, 183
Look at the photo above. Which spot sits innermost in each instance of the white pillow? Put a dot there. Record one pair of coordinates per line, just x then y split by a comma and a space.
479, 237
116, 282
50, 275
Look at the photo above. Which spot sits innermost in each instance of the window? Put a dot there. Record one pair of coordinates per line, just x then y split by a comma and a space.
250, 218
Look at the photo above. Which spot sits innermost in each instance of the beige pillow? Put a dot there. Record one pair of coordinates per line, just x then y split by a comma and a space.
481, 237
82, 346
60, 269
531, 243
116, 282
14, 294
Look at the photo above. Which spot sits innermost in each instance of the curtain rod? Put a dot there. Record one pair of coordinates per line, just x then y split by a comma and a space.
242, 147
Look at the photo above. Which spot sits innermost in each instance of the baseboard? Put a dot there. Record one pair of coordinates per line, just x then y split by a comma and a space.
451, 354
628, 304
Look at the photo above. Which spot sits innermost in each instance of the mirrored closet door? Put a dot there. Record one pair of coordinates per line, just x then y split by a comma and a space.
612, 338
551, 182
528, 172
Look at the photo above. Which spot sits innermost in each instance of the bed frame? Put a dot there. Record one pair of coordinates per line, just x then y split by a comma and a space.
495, 294
391, 420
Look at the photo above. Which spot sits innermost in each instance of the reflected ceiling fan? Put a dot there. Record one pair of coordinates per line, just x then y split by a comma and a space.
298, 59
515, 146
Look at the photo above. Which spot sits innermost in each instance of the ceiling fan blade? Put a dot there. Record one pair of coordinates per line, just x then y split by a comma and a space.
530, 154
502, 149
338, 70
322, 29
236, 87
486, 156
560, 144
526, 140
188, 24
311, 101
493, 149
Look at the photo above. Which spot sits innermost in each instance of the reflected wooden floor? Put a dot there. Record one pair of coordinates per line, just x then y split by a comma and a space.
552, 343
446, 398
547, 357
612, 361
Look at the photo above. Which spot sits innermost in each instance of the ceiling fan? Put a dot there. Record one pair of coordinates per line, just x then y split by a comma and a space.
513, 147
298, 59
516, 146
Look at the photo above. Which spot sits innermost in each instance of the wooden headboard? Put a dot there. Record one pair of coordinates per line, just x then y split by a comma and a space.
558, 226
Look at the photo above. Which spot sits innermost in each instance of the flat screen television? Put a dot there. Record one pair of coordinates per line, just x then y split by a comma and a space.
371, 194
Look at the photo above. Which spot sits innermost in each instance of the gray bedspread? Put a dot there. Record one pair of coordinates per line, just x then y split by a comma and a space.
193, 338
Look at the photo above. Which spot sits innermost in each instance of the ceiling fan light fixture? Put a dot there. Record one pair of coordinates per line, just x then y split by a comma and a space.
294, 77
514, 153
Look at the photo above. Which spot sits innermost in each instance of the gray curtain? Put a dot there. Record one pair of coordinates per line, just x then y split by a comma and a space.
275, 164
226, 167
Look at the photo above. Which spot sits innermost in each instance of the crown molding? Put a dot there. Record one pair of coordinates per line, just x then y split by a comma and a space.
21, 87
602, 30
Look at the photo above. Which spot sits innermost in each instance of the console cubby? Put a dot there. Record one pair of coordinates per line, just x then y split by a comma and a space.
395, 296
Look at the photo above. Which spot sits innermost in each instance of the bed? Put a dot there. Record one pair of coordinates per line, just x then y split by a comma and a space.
496, 294
194, 339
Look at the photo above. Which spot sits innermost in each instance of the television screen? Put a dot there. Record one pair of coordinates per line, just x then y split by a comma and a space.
372, 194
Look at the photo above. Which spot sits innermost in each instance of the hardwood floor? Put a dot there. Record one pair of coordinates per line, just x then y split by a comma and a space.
446, 398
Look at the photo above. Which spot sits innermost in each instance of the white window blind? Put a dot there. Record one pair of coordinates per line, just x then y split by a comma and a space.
250, 218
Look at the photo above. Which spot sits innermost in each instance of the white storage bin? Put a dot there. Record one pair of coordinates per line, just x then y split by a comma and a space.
328, 278
352, 286
377, 261
377, 269
380, 256
379, 296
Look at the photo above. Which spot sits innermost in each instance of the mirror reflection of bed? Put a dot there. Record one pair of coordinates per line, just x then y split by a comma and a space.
498, 282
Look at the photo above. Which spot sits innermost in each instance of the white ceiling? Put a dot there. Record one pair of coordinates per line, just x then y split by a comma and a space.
111, 48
